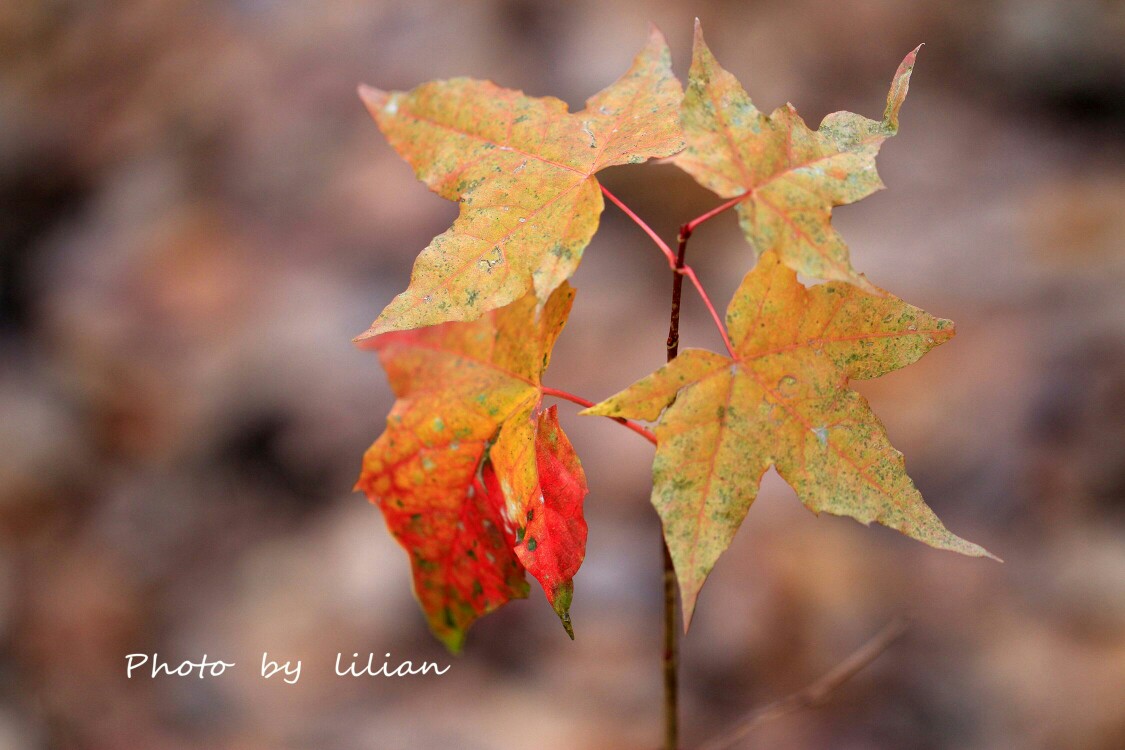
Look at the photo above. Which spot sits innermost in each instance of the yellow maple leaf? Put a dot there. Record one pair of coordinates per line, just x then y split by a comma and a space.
523, 170
783, 400
785, 177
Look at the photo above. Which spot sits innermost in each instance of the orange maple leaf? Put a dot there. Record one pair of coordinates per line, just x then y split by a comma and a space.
523, 170
784, 177
463, 469
784, 401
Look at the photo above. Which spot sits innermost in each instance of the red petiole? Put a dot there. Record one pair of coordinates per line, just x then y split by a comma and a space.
646, 434
685, 270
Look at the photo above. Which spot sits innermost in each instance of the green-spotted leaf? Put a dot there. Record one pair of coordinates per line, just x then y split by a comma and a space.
790, 176
523, 170
783, 400
464, 424
550, 537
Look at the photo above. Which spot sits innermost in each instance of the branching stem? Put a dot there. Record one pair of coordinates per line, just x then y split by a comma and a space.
692, 225
680, 269
675, 262
641, 223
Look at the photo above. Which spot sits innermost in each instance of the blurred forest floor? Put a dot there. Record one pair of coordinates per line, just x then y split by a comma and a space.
196, 215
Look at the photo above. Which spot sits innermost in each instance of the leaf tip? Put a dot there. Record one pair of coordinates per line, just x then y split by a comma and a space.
900, 85
953, 543
372, 97
656, 36
863, 283
965, 547
605, 408
687, 608
453, 642
364, 340
975, 550
698, 43
689, 595
561, 600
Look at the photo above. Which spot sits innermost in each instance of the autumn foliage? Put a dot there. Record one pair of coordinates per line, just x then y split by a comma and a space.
478, 481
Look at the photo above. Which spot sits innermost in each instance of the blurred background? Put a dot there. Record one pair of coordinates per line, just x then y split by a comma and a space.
196, 216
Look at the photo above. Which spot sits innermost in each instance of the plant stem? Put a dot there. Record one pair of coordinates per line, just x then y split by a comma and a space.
647, 435
676, 263
671, 656
679, 270
692, 225
677, 291
641, 223
690, 273
671, 648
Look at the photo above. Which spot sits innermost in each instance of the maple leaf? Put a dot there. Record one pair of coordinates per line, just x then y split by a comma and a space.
783, 400
523, 169
457, 475
790, 176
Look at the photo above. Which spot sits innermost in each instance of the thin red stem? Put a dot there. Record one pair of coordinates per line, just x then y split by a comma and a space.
694, 223
674, 263
687, 271
640, 223
587, 403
